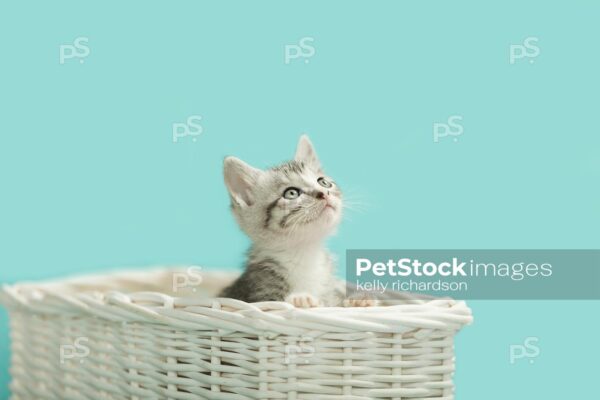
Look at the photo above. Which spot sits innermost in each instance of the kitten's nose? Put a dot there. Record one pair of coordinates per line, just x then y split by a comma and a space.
320, 195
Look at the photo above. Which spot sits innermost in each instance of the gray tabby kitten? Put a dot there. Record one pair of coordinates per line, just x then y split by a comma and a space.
287, 211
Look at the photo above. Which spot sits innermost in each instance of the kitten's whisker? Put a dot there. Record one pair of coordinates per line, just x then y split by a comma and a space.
354, 208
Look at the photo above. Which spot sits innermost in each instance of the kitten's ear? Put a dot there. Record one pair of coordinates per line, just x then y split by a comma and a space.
240, 179
305, 152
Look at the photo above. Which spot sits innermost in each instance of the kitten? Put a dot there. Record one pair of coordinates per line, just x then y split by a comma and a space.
287, 211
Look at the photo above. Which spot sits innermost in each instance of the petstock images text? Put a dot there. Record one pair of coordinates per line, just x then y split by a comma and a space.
477, 274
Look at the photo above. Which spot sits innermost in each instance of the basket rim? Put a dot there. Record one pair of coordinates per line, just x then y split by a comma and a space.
52, 298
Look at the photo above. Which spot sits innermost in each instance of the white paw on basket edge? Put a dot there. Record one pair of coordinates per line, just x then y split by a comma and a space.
303, 300
366, 302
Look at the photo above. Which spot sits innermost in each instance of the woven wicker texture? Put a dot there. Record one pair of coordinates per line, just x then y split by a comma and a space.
129, 336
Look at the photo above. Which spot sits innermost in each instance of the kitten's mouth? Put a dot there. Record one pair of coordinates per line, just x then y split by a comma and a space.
328, 206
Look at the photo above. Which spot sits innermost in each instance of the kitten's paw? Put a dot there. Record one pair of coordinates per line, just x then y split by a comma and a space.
362, 300
302, 300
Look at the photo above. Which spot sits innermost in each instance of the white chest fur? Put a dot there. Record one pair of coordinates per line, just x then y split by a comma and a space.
308, 272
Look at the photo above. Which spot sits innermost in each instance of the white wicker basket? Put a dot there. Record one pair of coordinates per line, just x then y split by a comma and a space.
128, 336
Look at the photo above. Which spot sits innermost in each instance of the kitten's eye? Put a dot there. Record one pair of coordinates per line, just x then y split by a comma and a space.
291, 193
324, 182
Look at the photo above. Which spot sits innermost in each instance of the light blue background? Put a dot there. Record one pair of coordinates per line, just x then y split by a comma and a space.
91, 180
